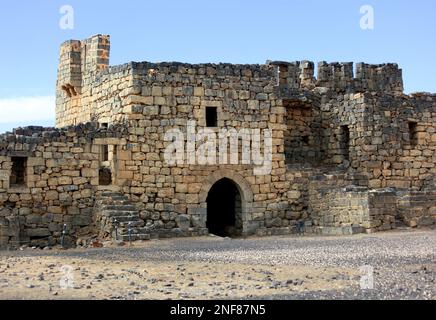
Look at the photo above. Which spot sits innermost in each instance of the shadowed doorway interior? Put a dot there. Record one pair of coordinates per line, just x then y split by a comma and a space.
224, 209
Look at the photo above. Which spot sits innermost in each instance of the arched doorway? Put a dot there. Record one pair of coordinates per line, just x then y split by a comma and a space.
224, 209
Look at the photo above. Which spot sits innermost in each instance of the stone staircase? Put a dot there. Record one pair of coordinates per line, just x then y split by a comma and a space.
115, 215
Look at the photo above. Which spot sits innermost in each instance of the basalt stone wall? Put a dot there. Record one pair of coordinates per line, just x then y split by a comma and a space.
164, 97
9, 230
352, 209
350, 130
417, 208
382, 210
322, 190
339, 77
61, 174
101, 100
389, 139
168, 95
87, 88
342, 211
303, 142
341, 136
398, 141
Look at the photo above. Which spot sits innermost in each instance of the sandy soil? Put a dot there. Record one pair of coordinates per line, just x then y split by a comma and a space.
138, 273
43, 278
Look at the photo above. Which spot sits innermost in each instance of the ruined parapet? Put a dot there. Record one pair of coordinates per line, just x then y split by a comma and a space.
190, 88
95, 55
386, 78
295, 75
337, 76
154, 71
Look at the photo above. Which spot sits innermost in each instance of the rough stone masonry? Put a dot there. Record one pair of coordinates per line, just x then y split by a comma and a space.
350, 152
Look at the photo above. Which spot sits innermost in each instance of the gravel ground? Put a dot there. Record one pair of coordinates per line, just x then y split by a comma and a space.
288, 267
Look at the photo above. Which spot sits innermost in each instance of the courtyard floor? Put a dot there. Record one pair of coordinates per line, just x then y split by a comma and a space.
286, 267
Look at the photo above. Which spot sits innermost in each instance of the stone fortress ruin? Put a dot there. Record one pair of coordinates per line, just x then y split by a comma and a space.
351, 152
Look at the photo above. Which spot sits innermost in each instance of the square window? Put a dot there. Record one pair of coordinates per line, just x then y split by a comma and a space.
413, 133
344, 142
105, 152
283, 75
104, 177
211, 117
18, 174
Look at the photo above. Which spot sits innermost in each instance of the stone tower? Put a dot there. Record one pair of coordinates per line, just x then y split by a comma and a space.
79, 61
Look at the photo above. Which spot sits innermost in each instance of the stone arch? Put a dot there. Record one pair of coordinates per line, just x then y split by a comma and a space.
241, 184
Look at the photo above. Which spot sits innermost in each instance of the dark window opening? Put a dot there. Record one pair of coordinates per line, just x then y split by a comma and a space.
413, 133
305, 140
104, 125
105, 177
18, 174
283, 75
344, 142
105, 152
211, 117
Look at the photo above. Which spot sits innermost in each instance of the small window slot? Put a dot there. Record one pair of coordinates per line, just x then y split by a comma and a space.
18, 174
211, 117
413, 133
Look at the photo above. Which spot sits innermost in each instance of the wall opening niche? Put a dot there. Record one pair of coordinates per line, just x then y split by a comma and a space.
413, 133
344, 142
18, 172
211, 117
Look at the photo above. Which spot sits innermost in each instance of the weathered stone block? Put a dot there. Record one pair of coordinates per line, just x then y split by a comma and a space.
51, 195
89, 173
38, 232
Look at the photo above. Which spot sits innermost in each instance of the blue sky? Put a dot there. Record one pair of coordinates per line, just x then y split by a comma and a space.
195, 31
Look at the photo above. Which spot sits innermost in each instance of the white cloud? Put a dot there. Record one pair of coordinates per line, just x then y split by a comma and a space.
25, 109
